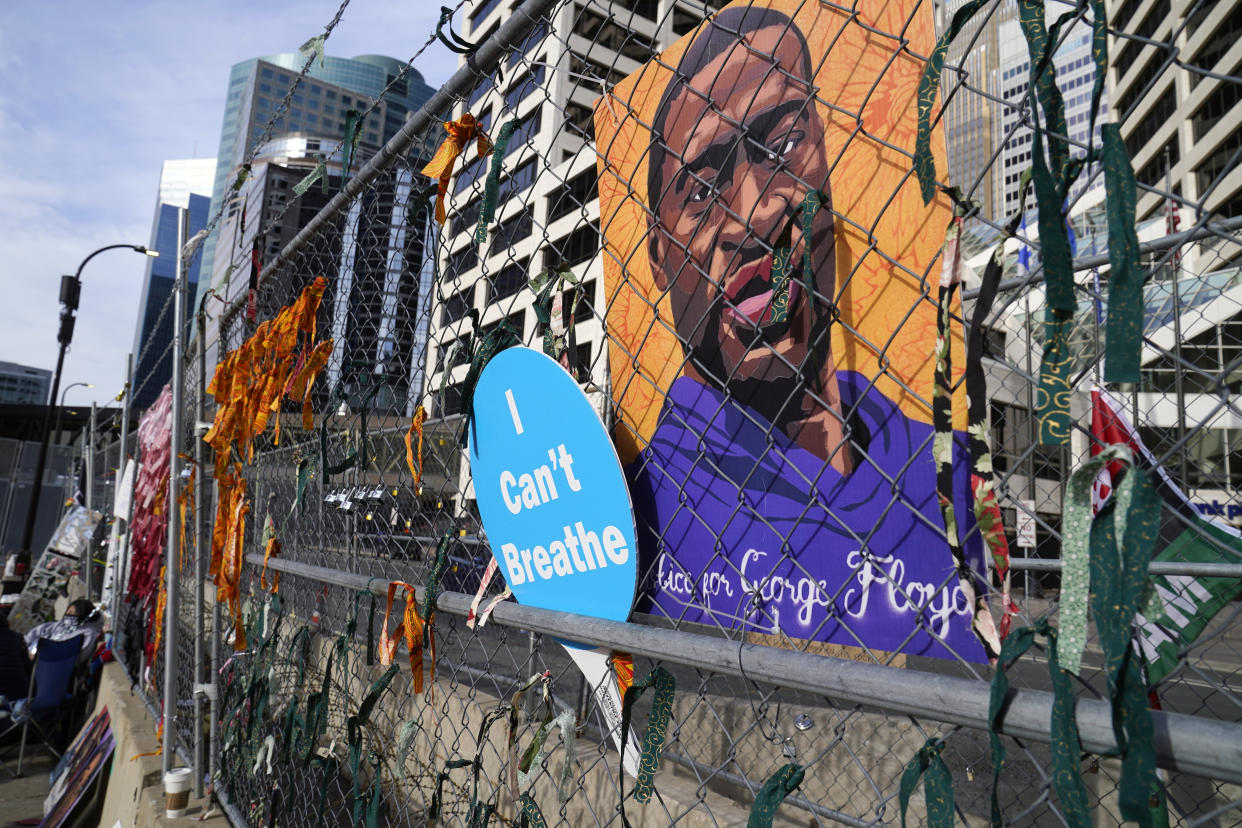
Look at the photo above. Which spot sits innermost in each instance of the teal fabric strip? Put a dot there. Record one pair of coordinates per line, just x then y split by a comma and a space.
929, 766
531, 815
1065, 745
1075, 556
491, 188
653, 740
929, 86
778, 786
1124, 327
1123, 538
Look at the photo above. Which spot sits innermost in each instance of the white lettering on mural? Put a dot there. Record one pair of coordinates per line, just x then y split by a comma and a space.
875, 578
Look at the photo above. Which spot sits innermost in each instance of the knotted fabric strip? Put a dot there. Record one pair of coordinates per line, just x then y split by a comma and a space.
491, 188
453, 41
519, 767
929, 766
1065, 745
1123, 539
778, 786
474, 616
460, 133
952, 270
929, 85
411, 627
653, 740
491, 344
782, 258
415, 463
988, 516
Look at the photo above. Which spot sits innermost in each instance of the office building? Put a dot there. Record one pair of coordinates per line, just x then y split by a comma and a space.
23, 385
333, 91
1182, 126
184, 185
376, 311
1075, 77
548, 212
971, 116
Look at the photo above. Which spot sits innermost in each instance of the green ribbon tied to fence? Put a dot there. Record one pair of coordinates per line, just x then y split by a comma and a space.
491, 187
1065, 745
1106, 558
929, 766
1052, 177
777, 786
664, 686
782, 257
490, 344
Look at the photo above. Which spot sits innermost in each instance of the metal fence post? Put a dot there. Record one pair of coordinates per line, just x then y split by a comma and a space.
204, 535
88, 558
200, 573
118, 566
172, 571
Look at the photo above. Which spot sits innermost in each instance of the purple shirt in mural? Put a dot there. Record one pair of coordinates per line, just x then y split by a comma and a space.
741, 528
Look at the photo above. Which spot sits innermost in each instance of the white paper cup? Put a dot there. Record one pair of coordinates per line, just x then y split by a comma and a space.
177, 791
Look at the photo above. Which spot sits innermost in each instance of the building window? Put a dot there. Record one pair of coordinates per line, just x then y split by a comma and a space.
511, 279
510, 232
457, 306
462, 262
603, 32
580, 120
579, 246
573, 196
528, 83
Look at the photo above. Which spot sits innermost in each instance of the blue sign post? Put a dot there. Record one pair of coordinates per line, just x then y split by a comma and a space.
554, 503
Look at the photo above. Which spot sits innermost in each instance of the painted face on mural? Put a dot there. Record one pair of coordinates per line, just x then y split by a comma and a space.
742, 146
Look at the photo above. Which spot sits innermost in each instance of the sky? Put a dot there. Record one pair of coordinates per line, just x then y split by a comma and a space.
93, 98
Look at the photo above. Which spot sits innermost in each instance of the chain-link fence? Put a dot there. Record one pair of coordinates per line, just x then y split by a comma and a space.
767, 365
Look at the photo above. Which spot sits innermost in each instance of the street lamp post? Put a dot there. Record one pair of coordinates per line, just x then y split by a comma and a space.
70, 292
61, 407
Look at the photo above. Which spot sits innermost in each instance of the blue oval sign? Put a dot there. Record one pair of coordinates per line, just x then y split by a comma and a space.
550, 489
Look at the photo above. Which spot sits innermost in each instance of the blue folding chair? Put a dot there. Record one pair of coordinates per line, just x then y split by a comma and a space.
51, 691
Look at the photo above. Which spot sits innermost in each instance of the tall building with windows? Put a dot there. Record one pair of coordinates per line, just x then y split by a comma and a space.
971, 115
319, 109
1182, 123
548, 213
184, 185
1075, 77
24, 385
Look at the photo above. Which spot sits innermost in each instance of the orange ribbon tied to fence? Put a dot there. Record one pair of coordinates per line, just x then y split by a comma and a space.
411, 627
460, 133
416, 425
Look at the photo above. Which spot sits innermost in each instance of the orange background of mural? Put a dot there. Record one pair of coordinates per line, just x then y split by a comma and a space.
887, 240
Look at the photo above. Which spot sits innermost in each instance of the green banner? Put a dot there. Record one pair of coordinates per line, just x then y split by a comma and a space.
1180, 607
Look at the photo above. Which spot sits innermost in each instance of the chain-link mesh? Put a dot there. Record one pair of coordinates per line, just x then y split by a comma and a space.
707, 391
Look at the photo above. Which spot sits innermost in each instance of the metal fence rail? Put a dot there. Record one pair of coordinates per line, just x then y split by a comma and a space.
280, 725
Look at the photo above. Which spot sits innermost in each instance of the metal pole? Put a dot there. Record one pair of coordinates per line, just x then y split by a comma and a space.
118, 566
70, 288
1031, 436
200, 570
172, 609
88, 556
36, 488
213, 750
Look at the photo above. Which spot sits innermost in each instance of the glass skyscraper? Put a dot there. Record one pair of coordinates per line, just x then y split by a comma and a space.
318, 108
183, 185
